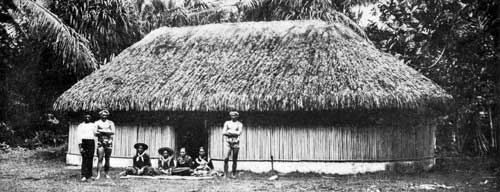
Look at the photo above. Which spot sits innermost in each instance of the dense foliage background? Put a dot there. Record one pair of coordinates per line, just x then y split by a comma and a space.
48, 45
453, 43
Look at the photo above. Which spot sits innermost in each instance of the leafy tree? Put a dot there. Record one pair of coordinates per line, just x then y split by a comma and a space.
41, 57
332, 10
8, 49
42, 25
451, 42
27, 31
48, 48
105, 23
153, 14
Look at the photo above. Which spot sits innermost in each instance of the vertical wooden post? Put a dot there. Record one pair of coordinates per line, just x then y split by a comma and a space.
272, 163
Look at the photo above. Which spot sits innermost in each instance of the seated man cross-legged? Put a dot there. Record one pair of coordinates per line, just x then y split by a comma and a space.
141, 162
203, 164
184, 164
166, 162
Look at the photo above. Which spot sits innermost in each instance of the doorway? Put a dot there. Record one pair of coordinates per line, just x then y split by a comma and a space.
192, 133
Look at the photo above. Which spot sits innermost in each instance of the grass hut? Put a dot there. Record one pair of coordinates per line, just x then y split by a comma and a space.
313, 96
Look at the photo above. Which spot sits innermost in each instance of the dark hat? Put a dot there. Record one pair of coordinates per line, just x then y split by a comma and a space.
144, 146
163, 149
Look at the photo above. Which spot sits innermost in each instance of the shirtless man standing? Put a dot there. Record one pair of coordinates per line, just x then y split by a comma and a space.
105, 132
231, 131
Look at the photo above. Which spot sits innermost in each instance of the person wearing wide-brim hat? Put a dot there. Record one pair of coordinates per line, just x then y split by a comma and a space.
231, 131
166, 162
105, 132
139, 145
162, 151
141, 162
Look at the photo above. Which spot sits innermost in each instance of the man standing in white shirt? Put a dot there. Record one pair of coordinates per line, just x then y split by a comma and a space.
105, 132
231, 131
85, 137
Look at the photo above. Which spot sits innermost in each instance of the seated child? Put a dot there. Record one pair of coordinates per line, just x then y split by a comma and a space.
203, 164
184, 164
141, 162
166, 162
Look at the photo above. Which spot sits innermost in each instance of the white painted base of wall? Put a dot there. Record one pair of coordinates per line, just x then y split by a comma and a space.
74, 159
340, 168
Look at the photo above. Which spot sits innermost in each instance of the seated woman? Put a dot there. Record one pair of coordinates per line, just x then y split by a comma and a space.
184, 163
141, 162
203, 164
166, 162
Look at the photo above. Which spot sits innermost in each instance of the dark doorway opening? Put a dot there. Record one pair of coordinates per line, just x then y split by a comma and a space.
191, 133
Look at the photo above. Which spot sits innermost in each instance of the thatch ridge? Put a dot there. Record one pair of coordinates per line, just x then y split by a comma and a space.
253, 66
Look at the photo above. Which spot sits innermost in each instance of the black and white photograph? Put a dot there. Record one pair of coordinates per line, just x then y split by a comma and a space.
249, 95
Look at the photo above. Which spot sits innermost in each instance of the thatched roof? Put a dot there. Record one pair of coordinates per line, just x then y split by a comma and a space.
253, 66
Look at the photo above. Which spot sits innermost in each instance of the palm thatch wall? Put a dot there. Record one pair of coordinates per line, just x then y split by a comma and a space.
253, 66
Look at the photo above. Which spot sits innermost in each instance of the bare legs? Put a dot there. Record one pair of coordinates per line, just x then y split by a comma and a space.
233, 151
235, 160
103, 154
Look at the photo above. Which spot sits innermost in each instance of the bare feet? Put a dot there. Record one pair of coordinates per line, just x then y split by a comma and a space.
84, 179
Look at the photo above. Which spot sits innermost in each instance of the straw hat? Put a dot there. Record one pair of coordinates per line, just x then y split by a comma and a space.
163, 149
144, 146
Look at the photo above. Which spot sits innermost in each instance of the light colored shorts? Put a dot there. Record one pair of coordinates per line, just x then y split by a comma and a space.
231, 143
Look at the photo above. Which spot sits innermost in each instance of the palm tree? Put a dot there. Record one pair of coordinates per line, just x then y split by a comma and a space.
105, 23
30, 34
71, 48
327, 10
152, 14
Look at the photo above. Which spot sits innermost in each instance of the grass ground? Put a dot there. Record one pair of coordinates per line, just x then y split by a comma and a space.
44, 170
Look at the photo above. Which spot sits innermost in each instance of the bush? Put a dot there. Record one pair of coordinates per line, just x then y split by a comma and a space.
44, 139
7, 132
4, 147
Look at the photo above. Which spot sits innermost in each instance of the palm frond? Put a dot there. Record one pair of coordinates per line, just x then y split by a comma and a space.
330, 11
104, 23
71, 47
